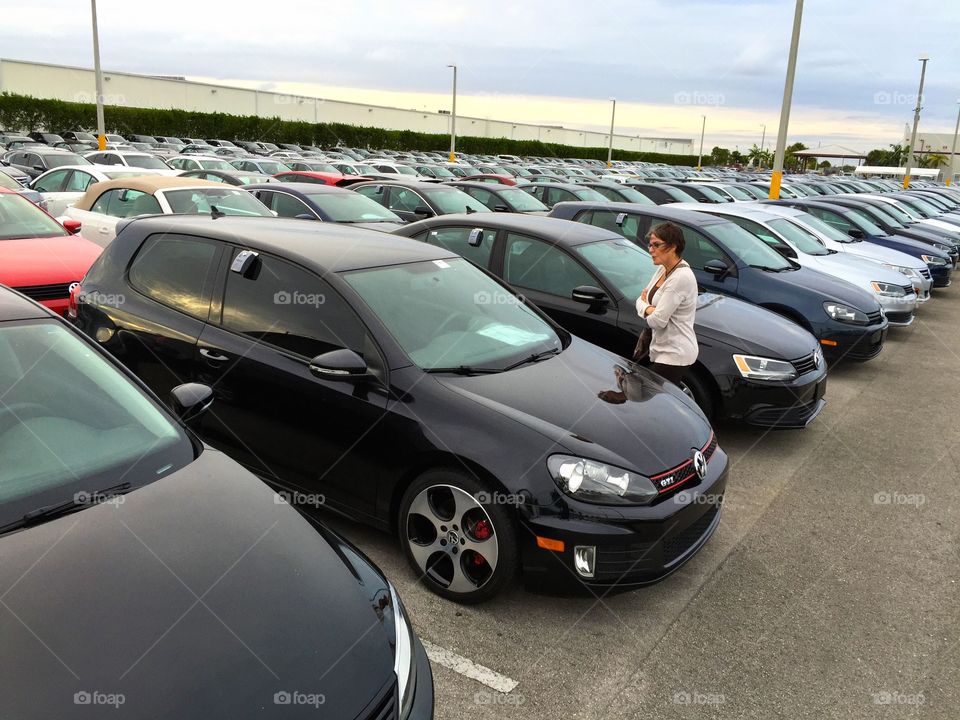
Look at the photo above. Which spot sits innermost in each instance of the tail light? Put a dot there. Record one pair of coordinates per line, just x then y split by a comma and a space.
75, 290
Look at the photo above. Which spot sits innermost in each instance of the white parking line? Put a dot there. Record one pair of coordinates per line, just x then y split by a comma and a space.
468, 668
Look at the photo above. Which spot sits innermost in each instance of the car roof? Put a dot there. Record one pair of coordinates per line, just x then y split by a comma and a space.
562, 232
144, 183
324, 247
412, 184
297, 188
563, 186
740, 209
14, 306
663, 212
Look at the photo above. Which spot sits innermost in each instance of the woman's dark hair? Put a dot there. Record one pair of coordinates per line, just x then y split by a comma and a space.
671, 235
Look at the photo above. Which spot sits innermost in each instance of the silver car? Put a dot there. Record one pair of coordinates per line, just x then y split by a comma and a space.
893, 290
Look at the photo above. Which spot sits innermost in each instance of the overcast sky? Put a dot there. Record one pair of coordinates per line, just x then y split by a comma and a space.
666, 61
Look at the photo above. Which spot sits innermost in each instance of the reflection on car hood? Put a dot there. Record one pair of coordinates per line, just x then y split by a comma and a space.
807, 279
197, 597
654, 430
750, 328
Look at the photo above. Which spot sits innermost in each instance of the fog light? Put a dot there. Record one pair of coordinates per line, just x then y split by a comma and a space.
103, 334
584, 560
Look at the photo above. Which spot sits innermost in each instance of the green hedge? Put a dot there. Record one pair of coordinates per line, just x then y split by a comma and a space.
22, 112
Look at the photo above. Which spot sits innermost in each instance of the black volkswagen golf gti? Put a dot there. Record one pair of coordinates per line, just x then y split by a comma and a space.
416, 393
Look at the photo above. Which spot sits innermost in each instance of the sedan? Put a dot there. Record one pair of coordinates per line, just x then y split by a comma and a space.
36, 161
263, 166
847, 321
552, 193
417, 394
230, 177
63, 186
413, 200
126, 158
198, 162
109, 498
661, 193
502, 198
588, 279
326, 203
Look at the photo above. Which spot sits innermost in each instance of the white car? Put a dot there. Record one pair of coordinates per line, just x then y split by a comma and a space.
105, 204
199, 162
142, 160
909, 216
63, 186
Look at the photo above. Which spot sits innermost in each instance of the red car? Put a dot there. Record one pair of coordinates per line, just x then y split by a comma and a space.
321, 178
39, 256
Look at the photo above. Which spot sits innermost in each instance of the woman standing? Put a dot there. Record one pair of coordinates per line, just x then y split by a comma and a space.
669, 303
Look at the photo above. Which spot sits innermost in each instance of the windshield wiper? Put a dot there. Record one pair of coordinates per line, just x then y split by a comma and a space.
533, 358
769, 269
79, 500
464, 370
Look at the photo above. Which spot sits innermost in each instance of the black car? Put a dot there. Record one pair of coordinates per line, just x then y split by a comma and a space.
36, 161
418, 394
700, 193
661, 193
141, 566
415, 200
77, 136
617, 192
502, 198
552, 193
847, 321
588, 279
47, 138
327, 203
231, 177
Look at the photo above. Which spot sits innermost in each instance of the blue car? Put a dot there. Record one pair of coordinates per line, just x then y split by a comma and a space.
858, 224
847, 321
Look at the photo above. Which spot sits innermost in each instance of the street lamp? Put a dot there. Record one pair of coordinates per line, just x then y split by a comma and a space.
916, 121
785, 107
613, 114
101, 132
703, 129
453, 118
953, 152
762, 139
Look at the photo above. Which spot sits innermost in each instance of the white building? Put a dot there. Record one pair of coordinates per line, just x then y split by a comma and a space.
61, 82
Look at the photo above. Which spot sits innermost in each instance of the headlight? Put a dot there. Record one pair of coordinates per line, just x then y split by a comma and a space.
761, 368
404, 658
887, 290
931, 260
909, 272
844, 313
600, 483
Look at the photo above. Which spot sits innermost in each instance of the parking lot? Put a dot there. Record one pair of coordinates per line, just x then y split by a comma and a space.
829, 590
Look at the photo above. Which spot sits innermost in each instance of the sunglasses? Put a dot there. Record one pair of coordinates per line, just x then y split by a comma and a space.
657, 245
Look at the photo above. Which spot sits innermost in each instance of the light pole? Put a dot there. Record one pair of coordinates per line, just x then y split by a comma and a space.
916, 121
785, 107
762, 139
101, 132
953, 152
613, 114
453, 118
703, 129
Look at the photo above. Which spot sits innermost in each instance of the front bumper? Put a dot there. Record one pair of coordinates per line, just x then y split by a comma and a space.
856, 342
899, 311
941, 275
635, 546
422, 708
799, 403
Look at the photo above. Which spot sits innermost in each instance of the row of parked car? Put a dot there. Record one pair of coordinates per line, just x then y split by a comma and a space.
442, 360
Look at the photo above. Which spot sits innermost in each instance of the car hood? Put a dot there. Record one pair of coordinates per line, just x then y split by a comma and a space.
879, 253
750, 328
858, 270
198, 596
46, 261
654, 430
807, 279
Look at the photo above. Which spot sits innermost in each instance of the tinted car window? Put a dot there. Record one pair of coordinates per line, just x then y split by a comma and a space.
79, 181
699, 249
175, 271
374, 192
404, 199
457, 239
103, 202
607, 219
537, 265
53, 182
286, 306
289, 206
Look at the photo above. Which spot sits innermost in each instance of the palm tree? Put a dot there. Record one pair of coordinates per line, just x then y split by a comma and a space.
793, 162
932, 160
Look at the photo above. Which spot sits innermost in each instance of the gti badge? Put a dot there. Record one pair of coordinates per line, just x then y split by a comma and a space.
700, 464
666, 481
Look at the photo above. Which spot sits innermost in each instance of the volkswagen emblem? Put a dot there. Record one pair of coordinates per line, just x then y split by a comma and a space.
73, 286
817, 358
700, 464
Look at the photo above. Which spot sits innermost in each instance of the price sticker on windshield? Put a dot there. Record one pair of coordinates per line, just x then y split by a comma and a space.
441, 264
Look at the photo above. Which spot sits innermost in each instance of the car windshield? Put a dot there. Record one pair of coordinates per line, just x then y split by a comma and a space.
748, 247
678, 194
20, 218
590, 195
10, 184
65, 159
738, 193
452, 200
448, 313
921, 207
319, 167
803, 240
117, 174
711, 194
441, 172
146, 161
884, 216
272, 168
863, 222
625, 264
404, 170
215, 165
254, 179
520, 200
227, 200
73, 423
629, 194
904, 216
347, 207
825, 229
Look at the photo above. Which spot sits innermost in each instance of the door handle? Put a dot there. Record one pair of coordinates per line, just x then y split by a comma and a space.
211, 355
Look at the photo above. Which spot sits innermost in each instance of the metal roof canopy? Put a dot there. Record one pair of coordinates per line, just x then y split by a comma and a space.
832, 151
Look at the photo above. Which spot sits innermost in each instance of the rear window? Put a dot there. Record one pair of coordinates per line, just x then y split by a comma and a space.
20, 218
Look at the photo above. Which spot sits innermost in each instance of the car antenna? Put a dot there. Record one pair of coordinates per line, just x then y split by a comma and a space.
216, 213
470, 210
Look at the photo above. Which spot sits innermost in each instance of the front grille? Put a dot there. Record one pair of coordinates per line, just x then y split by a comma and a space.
59, 291
900, 317
684, 471
805, 364
383, 707
677, 545
926, 273
907, 289
874, 317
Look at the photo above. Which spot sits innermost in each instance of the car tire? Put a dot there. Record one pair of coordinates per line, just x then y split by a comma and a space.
694, 387
461, 545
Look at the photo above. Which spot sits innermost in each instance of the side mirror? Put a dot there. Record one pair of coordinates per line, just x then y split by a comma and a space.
589, 294
339, 365
71, 226
855, 233
423, 210
718, 268
190, 400
304, 216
